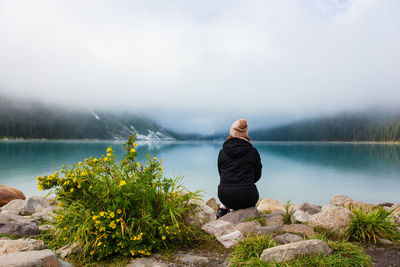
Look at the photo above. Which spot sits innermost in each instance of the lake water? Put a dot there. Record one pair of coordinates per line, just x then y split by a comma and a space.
300, 172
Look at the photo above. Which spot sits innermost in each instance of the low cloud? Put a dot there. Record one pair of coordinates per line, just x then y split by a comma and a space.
195, 64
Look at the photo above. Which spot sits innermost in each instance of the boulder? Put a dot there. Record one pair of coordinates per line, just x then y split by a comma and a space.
9, 216
302, 229
18, 228
359, 204
8, 193
230, 239
267, 205
43, 258
194, 260
340, 200
287, 238
218, 228
25, 244
34, 204
303, 212
266, 230
273, 219
212, 203
290, 251
332, 218
201, 213
14, 206
238, 216
247, 227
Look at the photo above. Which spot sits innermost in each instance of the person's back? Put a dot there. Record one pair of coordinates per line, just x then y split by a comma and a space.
239, 167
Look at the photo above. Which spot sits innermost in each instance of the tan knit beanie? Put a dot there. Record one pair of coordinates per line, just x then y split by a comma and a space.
240, 129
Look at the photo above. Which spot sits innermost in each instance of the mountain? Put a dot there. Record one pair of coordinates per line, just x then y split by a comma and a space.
36, 121
379, 126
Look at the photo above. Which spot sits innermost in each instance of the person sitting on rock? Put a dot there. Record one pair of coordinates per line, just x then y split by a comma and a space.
239, 167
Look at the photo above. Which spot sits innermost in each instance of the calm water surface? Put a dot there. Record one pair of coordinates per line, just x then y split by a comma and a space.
312, 172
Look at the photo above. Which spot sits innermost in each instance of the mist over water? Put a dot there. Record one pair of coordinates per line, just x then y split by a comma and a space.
300, 172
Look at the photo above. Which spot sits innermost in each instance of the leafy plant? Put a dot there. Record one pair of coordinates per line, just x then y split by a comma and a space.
287, 214
367, 226
247, 252
259, 219
118, 208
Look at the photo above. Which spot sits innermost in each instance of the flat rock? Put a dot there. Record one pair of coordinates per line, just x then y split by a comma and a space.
8, 193
212, 203
14, 206
273, 219
302, 229
269, 204
247, 227
266, 230
340, 200
34, 204
36, 258
218, 228
287, 238
238, 216
146, 262
18, 228
332, 218
230, 239
290, 251
193, 260
25, 244
9, 216
43, 215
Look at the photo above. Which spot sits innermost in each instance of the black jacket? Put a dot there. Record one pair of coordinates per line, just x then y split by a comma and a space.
239, 167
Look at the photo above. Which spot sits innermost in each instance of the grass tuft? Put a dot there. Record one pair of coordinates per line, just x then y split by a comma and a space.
260, 219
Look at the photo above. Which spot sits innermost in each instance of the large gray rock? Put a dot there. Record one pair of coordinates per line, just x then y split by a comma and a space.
238, 216
267, 205
37, 258
273, 219
17, 228
332, 218
303, 212
247, 227
146, 262
290, 251
230, 239
287, 238
340, 200
266, 230
14, 206
301, 229
25, 244
218, 228
10, 216
201, 214
34, 204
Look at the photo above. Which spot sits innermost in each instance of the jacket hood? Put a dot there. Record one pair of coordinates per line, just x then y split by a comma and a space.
236, 147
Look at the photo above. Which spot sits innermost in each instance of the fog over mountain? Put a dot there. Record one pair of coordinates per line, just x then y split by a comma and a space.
195, 66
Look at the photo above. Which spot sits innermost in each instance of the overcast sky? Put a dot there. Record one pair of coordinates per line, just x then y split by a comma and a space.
198, 65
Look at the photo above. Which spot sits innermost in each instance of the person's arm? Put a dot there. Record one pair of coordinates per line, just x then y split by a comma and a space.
219, 162
257, 167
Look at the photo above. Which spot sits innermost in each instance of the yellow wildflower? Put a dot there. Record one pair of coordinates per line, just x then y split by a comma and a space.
122, 183
132, 252
79, 185
112, 225
133, 150
154, 158
119, 211
94, 217
80, 163
109, 154
99, 244
91, 252
134, 144
112, 214
163, 237
40, 187
106, 159
95, 160
98, 222
71, 190
101, 213
109, 149
138, 164
74, 180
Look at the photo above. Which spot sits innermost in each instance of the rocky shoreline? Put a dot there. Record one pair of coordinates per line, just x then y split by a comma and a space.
292, 227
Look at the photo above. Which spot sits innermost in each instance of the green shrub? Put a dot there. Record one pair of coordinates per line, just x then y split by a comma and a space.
248, 250
287, 215
367, 226
118, 208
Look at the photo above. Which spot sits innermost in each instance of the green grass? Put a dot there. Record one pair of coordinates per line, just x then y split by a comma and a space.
260, 219
247, 253
287, 215
368, 226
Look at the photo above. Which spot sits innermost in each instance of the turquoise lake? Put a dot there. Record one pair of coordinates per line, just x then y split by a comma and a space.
312, 172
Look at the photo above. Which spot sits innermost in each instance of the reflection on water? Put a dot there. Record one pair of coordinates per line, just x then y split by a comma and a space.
301, 172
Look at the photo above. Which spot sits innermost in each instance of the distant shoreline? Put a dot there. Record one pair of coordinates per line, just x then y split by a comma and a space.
8, 139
